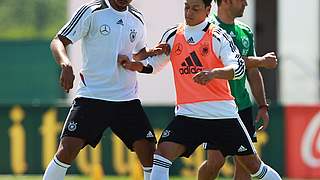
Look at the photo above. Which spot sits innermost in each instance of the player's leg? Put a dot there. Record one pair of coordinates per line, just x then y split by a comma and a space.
68, 149
145, 150
165, 154
257, 168
210, 168
240, 173
75, 135
181, 137
241, 145
132, 126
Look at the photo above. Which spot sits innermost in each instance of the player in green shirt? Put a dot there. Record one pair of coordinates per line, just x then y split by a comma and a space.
242, 36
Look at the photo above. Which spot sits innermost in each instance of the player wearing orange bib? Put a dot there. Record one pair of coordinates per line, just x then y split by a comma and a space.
203, 58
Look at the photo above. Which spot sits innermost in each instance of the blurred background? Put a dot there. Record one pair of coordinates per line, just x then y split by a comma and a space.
33, 106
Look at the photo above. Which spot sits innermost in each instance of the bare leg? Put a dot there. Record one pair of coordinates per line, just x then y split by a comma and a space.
210, 168
240, 172
144, 150
69, 148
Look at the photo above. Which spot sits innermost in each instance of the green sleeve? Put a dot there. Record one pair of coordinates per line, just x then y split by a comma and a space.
252, 49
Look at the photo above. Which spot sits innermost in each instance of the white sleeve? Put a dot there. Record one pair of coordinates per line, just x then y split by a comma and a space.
78, 25
228, 52
142, 43
160, 61
157, 62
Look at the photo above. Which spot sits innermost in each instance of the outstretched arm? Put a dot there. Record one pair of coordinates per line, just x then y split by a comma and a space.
58, 48
269, 61
157, 50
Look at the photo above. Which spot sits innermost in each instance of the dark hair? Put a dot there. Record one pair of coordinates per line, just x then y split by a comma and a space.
207, 2
218, 2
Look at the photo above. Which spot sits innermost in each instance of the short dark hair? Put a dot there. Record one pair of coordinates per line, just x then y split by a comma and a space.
218, 2
207, 2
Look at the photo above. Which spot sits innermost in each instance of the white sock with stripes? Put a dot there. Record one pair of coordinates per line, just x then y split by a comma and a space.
265, 172
160, 168
56, 170
147, 172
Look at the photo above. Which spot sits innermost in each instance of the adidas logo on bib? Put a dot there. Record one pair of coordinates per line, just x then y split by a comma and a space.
191, 65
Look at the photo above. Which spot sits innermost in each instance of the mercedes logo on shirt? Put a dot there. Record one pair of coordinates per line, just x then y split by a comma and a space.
105, 30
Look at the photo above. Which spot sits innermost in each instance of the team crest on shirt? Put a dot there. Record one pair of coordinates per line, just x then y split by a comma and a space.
72, 126
204, 49
246, 45
105, 29
178, 49
133, 35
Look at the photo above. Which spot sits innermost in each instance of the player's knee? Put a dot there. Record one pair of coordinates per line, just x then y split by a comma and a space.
170, 150
68, 150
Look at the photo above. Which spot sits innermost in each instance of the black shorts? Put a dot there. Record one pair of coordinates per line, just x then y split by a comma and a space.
248, 121
88, 119
227, 134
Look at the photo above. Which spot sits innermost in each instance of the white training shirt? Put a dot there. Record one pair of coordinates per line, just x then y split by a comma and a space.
225, 49
105, 33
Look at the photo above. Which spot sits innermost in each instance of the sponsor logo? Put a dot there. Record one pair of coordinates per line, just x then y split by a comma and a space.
178, 49
133, 35
120, 22
149, 135
232, 34
190, 40
165, 133
72, 126
191, 65
105, 30
310, 144
242, 149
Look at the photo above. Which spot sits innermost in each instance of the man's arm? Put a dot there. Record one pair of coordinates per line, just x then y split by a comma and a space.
206, 76
234, 65
58, 48
144, 53
269, 61
257, 88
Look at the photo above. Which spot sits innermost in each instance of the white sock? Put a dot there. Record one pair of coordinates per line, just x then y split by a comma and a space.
160, 168
265, 172
56, 170
147, 172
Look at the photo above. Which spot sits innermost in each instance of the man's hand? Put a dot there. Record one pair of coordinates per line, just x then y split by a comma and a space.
124, 61
269, 60
203, 77
264, 115
66, 77
159, 49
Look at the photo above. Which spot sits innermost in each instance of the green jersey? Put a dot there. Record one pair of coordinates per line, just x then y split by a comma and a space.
243, 38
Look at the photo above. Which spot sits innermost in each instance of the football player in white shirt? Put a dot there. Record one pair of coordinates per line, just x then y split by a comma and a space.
107, 94
203, 57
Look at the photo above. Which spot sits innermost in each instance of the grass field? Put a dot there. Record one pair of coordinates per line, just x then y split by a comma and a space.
10, 177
